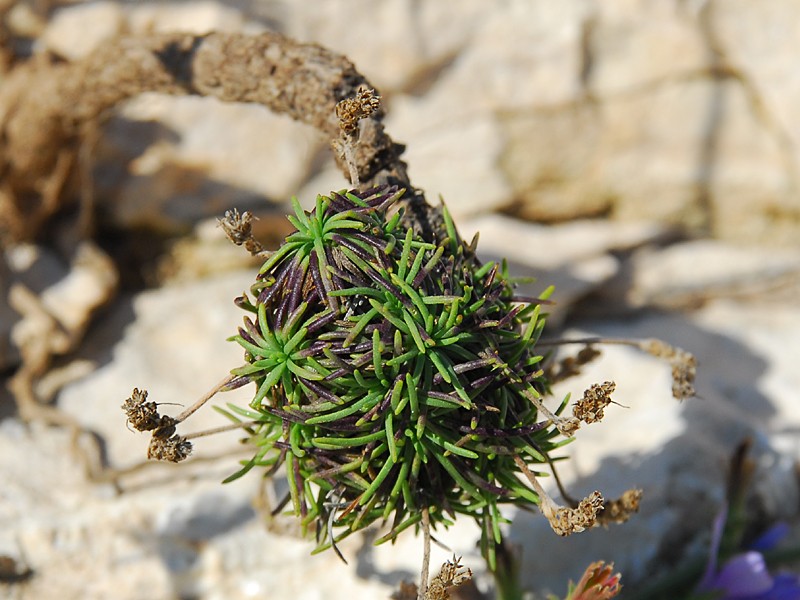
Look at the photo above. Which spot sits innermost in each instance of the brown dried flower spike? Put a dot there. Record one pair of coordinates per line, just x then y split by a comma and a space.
589, 409
171, 449
683, 363
452, 574
351, 110
620, 509
239, 230
144, 416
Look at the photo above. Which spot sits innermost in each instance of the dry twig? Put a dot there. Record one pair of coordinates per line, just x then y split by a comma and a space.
45, 109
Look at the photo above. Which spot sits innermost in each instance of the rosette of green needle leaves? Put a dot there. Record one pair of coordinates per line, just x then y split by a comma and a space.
392, 374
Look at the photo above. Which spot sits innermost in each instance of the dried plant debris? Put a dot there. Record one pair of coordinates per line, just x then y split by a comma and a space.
452, 574
351, 110
171, 449
239, 230
165, 444
142, 414
46, 109
620, 509
570, 366
589, 409
565, 521
683, 363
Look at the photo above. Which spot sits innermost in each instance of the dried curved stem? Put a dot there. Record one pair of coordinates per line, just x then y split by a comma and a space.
46, 108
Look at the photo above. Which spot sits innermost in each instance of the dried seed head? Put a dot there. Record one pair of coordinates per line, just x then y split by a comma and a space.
568, 425
684, 366
620, 509
351, 110
142, 415
589, 409
239, 229
454, 573
170, 449
451, 574
566, 521
683, 375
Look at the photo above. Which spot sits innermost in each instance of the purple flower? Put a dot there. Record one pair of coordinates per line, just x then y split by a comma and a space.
745, 576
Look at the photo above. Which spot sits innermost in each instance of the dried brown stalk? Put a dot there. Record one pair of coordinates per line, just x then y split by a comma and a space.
46, 109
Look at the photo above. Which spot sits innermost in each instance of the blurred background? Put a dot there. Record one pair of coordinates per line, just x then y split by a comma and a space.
641, 155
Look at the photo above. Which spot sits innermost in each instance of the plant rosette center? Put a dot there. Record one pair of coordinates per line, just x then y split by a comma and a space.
393, 374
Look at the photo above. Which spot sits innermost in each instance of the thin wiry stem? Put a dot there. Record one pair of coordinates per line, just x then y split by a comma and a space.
210, 394
333, 506
683, 363
426, 554
220, 429
589, 340
547, 504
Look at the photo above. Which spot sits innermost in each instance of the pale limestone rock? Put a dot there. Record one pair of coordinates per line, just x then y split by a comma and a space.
50, 304
632, 44
756, 40
552, 159
210, 157
575, 258
397, 44
687, 274
676, 452
668, 154
178, 531
753, 188
444, 146
556, 246
526, 56
198, 16
682, 112
74, 31
649, 153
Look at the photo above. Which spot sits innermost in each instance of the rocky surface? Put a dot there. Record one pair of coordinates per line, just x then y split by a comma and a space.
659, 116
177, 532
685, 112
